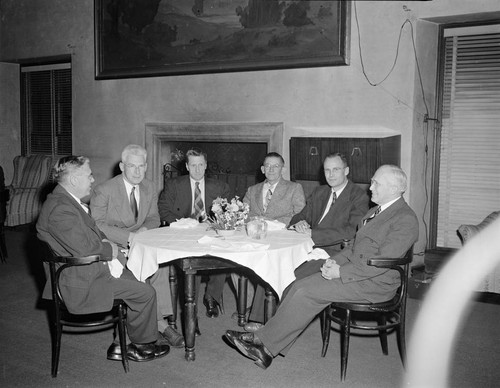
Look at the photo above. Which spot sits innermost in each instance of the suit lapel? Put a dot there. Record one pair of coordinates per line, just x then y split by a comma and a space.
383, 216
87, 219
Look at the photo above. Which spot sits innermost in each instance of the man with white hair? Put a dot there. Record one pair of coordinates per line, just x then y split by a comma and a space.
387, 230
126, 205
66, 225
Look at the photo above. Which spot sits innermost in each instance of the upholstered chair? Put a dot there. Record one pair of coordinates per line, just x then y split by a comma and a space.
28, 189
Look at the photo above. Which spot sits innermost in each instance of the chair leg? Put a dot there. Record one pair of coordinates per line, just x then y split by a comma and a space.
56, 348
383, 335
401, 338
346, 332
325, 330
122, 316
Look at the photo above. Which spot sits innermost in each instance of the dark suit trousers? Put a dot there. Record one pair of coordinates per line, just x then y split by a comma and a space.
306, 298
215, 286
304, 270
140, 298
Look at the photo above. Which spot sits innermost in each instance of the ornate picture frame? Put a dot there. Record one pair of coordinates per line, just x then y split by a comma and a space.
141, 38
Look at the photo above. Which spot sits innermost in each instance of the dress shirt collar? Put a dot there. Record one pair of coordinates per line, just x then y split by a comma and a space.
386, 205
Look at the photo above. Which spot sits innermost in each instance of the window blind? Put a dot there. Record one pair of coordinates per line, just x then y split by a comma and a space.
469, 176
46, 121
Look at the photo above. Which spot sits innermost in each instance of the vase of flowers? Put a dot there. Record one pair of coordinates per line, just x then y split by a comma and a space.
228, 215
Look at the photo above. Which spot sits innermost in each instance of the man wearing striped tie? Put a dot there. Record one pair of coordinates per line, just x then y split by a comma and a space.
345, 276
126, 205
192, 196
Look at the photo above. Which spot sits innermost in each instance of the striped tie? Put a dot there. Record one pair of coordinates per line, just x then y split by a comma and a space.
267, 199
198, 203
372, 216
133, 203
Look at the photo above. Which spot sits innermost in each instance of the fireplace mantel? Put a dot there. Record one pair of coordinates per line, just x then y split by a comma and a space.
270, 133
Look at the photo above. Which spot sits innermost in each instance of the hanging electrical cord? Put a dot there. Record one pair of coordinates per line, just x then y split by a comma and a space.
426, 115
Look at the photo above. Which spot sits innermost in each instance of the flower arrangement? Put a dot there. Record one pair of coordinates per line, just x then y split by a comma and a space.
228, 215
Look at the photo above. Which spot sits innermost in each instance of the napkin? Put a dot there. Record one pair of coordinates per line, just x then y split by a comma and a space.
185, 223
317, 254
235, 245
115, 267
275, 225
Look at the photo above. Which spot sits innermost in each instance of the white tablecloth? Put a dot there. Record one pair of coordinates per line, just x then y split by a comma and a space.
275, 265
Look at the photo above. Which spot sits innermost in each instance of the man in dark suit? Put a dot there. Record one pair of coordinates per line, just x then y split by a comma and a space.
192, 196
126, 205
388, 230
331, 214
64, 223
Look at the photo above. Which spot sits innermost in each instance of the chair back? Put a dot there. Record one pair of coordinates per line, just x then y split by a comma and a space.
57, 264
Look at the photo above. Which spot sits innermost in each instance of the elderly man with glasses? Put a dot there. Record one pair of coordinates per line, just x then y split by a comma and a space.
126, 205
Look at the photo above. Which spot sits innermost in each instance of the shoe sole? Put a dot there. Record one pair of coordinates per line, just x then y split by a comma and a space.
257, 361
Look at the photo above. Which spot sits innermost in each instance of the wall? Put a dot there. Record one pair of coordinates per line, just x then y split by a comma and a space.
318, 101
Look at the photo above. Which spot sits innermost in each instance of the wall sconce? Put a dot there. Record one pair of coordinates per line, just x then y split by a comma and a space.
313, 151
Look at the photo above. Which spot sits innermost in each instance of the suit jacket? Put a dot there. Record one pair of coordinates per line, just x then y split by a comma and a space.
70, 231
390, 234
342, 219
110, 208
176, 199
287, 200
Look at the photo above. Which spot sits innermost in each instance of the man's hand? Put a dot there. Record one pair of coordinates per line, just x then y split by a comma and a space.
141, 229
330, 270
302, 227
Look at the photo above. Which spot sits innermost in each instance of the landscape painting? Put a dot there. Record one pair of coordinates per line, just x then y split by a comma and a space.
137, 38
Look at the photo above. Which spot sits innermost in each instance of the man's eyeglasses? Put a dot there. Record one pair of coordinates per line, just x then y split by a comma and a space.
134, 166
272, 166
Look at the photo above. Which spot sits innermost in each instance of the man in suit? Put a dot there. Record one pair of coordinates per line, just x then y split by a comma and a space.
273, 199
64, 223
330, 215
126, 205
387, 230
192, 196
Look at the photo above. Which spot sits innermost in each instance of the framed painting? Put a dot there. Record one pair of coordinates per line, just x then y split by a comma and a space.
140, 38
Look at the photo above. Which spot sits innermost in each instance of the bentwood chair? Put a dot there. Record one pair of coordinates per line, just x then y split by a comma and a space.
62, 317
389, 314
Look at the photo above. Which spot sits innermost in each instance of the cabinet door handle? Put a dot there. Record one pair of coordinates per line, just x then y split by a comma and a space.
356, 151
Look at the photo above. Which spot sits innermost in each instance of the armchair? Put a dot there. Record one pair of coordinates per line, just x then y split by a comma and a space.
28, 188
491, 283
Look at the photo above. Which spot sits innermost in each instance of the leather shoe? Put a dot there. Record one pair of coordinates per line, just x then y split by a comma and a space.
173, 338
259, 353
212, 306
146, 352
114, 352
232, 335
253, 326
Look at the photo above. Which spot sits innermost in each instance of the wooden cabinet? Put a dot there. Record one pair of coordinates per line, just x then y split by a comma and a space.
364, 155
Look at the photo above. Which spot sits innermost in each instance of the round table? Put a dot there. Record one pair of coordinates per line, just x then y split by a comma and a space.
273, 259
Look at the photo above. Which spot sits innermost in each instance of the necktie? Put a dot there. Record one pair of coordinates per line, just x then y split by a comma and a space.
198, 203
331, 200
372, 216
267, 199
133, 203
87, 209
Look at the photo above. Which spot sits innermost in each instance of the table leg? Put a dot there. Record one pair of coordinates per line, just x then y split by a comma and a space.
174, 293
190, 313
270, 305
242, 300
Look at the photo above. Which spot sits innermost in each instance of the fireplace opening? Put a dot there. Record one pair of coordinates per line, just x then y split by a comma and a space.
234, 150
